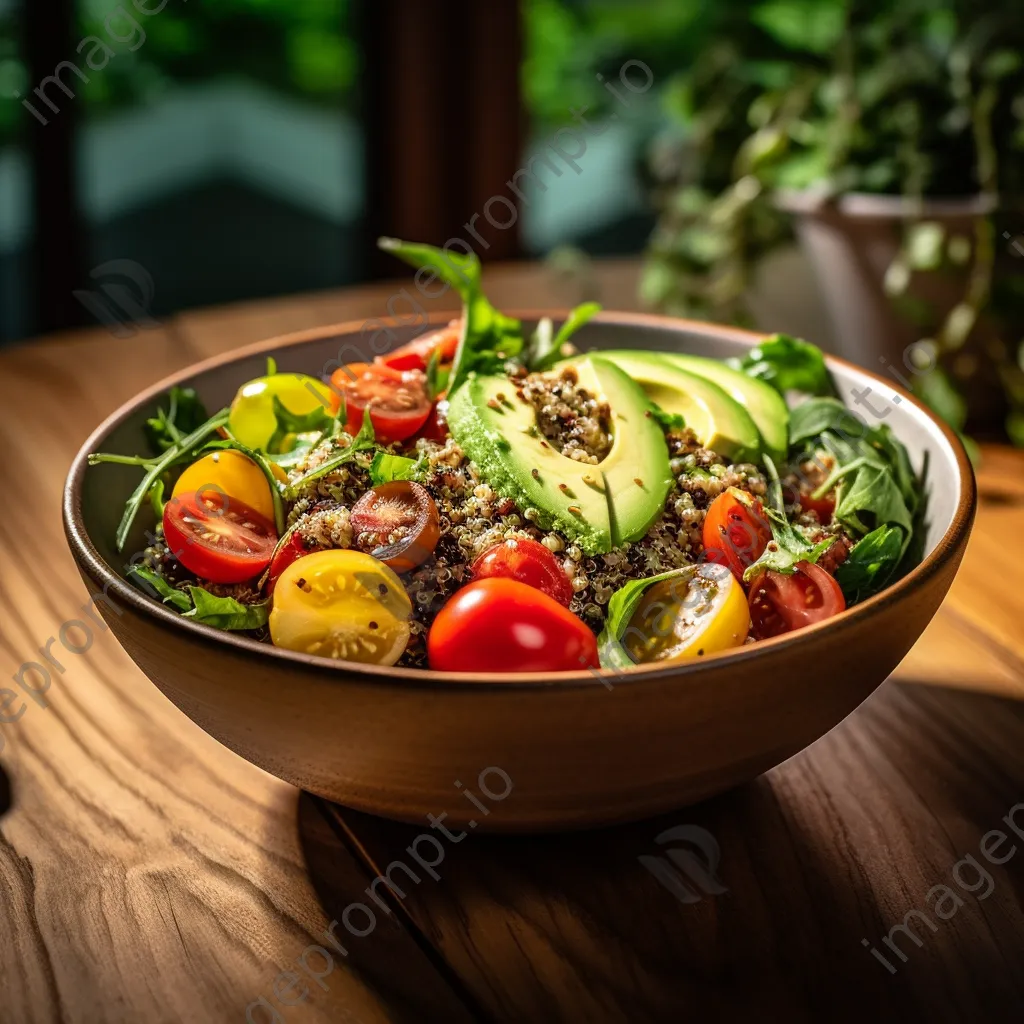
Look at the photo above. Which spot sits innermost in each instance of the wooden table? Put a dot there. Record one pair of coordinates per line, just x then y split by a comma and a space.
147, 874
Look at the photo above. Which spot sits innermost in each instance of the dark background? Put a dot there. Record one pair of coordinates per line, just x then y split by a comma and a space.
237, 149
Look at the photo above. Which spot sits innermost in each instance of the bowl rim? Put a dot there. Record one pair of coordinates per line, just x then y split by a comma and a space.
95, 566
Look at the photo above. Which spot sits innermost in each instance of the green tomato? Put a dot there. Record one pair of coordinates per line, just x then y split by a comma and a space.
252, 418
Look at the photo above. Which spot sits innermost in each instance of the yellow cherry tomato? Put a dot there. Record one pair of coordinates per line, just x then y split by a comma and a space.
689, 615
341, 604
233, 473
252, 419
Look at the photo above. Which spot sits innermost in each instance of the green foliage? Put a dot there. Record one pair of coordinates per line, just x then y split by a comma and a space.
919, 98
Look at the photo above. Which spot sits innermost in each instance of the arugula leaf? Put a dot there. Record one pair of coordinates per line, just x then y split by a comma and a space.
544, 351
437, 375
185, 412
290, 423
156, 498
147, 580
788, 364
621, 608
871, 563
488, 336
387, 468
363, 441
226, 612
155, 468
787, 547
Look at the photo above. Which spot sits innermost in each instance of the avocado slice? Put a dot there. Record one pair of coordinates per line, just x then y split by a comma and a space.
719, 422
766, 406
598, 506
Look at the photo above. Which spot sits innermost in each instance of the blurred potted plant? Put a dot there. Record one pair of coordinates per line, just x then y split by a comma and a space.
890, 133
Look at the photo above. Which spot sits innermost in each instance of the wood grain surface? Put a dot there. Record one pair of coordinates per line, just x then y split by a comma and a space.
149, 875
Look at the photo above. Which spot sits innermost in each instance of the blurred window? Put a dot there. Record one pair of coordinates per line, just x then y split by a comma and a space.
218, 148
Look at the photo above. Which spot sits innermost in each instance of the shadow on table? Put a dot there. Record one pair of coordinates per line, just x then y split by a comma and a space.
819, 860
390, 958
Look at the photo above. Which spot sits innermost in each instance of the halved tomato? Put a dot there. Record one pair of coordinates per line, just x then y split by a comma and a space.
397, 523
824, 506
218, 538
397, 400
528, 562
736, 531
781, 603
290, 551
416, 355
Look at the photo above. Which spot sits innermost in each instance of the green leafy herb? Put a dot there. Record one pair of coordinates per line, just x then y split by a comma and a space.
788, 364
545, 349
153, 584
488, 336
437, 375
787, 547
226, 612
387, 468
155, 468
289, 424
363, 441
812, 418
185, 412
871, 564
670, 421
621, 608
156, 498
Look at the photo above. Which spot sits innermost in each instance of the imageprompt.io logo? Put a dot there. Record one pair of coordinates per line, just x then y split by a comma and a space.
122, 297
681, 870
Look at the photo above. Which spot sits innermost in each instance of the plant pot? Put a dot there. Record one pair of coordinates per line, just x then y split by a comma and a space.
851, 242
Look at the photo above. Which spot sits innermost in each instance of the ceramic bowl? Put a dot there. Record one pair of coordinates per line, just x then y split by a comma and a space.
539, 753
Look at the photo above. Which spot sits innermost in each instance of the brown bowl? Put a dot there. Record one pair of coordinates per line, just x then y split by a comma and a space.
577, 750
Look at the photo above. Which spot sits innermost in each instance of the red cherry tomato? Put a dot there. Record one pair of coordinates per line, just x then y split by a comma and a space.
291, 551
435, 429
823, 506
416, 355
218, 538
397, 400
781, 603
502, 625
736, 531
397, 523
529, 562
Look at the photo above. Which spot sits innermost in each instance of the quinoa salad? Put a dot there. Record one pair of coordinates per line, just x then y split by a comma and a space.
490, 498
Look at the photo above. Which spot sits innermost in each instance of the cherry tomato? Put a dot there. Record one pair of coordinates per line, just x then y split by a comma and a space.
700, 610
781, 603
416, 355
529, 562
502, 625
291, 551
397, 400
824, 506
253, 420
218, 539
233, 474
397, 523
341, 604
736, 531
436, 427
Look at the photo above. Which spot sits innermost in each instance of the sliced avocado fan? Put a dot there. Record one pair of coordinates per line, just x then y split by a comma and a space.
718, 420
601, 506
